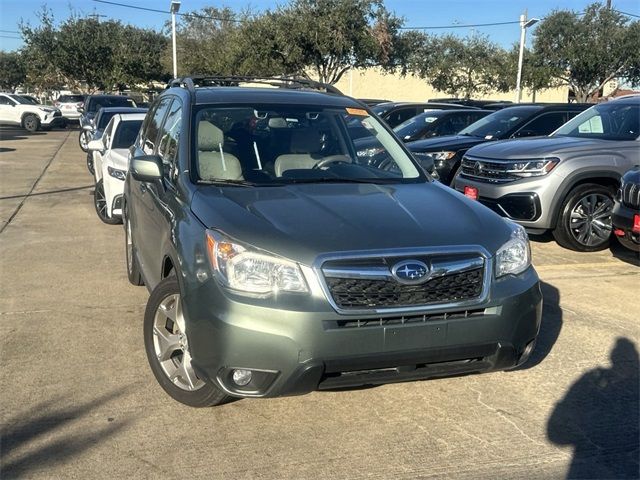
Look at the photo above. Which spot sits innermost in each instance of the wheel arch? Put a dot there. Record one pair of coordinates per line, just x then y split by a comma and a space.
599, 177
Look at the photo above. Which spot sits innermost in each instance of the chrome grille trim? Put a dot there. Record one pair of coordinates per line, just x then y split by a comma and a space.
376, 255
493, 171
630, 195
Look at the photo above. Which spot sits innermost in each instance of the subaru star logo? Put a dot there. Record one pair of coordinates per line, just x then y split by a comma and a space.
411, 272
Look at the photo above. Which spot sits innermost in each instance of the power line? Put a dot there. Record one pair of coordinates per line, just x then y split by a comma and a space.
194, 15
627, 13
9, 36
435, 27
9, 31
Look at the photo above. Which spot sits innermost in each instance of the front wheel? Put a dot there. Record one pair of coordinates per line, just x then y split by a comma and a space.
31, 123
100, 202
90, 163
584, 223
83, 140
167, 349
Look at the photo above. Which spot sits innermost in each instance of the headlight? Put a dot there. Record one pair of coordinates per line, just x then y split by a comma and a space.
48, 110
246, 269
115, 173
443, 155
514, 257
531, 168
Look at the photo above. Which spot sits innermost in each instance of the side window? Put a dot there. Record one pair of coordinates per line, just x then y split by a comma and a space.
169, 138
403, 115
150, 134
542, 125
5, 100
452, 125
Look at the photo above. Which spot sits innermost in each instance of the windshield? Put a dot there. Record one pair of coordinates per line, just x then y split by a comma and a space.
126, 133
607, 121
96, 103
103, 119
499, 123
417, 126
268, 144
21, 100
381, 108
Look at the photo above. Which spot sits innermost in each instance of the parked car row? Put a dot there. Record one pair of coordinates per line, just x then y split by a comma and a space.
15, 110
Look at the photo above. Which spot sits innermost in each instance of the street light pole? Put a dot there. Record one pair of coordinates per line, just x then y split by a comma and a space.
175, 7
524, 24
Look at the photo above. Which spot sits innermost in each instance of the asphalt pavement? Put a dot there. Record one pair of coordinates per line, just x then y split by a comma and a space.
77, 399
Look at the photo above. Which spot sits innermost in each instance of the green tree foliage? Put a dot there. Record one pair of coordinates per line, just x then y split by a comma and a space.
462, 67
12, 71
102, 55
536, 75
587, 51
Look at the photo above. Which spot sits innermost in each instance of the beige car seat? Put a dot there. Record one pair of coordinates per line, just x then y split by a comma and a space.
213, 162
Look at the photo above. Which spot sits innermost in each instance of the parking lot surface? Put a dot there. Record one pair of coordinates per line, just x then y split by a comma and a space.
78, 399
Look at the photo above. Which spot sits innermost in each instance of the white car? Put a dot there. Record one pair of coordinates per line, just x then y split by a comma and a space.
17, 111
110, 156
69, 105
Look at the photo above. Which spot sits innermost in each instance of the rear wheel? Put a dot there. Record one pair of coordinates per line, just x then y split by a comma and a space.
133, 270
168, 352
584, 223
90, 163
100, 202
31, 122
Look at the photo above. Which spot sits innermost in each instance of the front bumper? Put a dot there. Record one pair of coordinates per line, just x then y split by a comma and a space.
294, 352
52, 120
622, 220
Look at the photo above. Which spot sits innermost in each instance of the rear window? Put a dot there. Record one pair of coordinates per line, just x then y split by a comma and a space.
71, 98
96, 103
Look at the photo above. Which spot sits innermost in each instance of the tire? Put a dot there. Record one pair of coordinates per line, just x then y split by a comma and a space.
92, 170
83, 140
31, 122
133, 269
167, 349
100, 202
584, 223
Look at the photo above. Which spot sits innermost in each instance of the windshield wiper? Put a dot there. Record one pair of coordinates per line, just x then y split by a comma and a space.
342, 180
238, 183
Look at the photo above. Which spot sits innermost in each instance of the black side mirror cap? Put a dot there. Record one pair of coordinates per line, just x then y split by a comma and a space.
146, 168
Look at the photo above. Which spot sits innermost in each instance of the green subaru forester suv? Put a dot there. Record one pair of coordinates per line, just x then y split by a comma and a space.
280, 262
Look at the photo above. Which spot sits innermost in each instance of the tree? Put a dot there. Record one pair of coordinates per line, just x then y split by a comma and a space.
12, 71
462, 67
536, 75
585, 51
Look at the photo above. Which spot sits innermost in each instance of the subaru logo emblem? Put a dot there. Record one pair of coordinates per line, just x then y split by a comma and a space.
410, 272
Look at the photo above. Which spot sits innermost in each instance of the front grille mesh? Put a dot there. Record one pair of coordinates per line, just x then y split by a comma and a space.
350, 293
487, 171
630, 195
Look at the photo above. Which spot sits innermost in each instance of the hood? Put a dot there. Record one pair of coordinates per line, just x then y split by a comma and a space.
302, 221
455, 142
119, 159
540, 147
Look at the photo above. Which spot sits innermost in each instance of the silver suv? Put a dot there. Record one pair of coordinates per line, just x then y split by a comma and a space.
565, 182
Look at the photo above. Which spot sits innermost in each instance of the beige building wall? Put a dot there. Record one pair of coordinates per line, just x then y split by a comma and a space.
372, 83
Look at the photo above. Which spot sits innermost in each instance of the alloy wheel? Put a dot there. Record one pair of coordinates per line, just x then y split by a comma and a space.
101, 201
590, 220
171, 346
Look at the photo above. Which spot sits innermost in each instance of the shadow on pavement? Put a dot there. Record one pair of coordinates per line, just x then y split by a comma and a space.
50, 192
17, 134
624, 254
37, 429
599, 417
549, 328
4, 150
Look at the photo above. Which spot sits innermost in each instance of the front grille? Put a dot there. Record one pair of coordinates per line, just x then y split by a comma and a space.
486, 170
352, 293
630, 195
57, 113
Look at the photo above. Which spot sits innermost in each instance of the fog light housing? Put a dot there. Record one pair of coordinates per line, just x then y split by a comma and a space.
241, 377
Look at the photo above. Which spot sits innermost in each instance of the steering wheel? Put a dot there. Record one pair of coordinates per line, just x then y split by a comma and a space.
331, 159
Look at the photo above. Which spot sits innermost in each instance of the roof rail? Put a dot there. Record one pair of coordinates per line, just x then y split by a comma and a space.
195, 81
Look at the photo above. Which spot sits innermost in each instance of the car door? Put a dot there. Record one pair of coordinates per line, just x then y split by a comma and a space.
98, 159
145, 209
162, 194
9, 114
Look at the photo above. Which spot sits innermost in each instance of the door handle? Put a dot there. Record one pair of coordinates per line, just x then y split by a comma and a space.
143, 188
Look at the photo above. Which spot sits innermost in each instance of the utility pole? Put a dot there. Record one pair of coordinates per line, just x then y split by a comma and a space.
175, 6
96, 16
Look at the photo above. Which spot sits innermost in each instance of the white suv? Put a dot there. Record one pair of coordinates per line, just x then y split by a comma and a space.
110, 157
15, 110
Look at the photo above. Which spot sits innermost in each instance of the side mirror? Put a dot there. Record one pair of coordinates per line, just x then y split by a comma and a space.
87, 128
95, 146
146, 168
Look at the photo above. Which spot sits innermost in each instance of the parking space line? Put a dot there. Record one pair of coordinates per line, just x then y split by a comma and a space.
35, 184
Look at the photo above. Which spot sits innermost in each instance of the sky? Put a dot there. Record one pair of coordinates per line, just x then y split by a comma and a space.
417, 13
